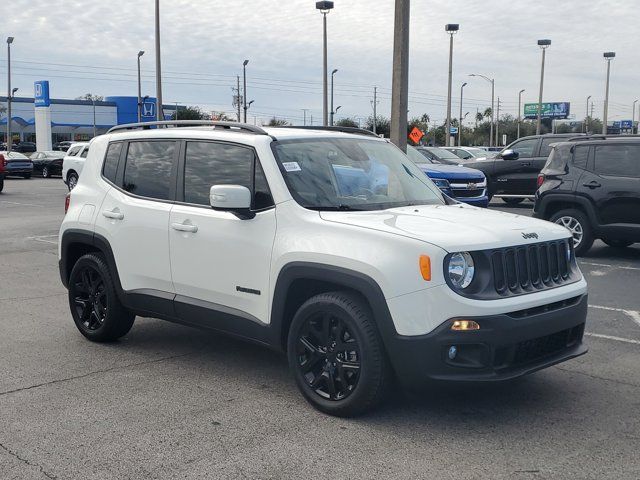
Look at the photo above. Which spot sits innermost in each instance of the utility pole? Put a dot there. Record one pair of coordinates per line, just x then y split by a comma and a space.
9, 94
543, 44
519, 110
304, 116
238, 101
460, 122
159, 110
498, 124
586, 117
140, 53
333, 112
451, 29
311, 120
244, 88
633, 116
375, 108
93, 102
400, 81
324, 7
608, 57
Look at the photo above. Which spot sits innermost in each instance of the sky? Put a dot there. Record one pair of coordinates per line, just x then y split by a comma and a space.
83, 46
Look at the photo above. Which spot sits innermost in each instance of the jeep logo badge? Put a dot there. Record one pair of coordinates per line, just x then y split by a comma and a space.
529, 235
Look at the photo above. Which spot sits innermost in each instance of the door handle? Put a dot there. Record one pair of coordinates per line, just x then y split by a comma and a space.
526, 164
592, 184
184, 227
114, 214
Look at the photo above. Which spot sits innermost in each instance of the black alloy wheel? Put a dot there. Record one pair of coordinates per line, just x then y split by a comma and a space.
328, 356
90, 298
45, 172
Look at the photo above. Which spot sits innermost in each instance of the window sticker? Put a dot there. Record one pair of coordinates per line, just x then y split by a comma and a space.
291, 166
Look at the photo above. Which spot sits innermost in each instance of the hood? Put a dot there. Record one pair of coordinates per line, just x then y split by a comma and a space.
454, 227
450, 171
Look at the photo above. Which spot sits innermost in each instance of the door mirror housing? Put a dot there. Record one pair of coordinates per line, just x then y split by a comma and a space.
509, 155
232, 198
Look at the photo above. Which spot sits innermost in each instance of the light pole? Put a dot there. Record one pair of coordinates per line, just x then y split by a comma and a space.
543, 44
460, 117
493, 84
93, 102
337, 108
335, 70
140, 53
586, 117
324, 8
633, 116
159, 110
451, 29
9, 139
244, 88
608, 57
519, 111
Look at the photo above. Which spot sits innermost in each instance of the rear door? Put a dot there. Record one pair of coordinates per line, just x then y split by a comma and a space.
517, 177
612, 180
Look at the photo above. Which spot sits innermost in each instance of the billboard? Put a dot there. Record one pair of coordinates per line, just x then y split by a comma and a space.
41, 93
548, 110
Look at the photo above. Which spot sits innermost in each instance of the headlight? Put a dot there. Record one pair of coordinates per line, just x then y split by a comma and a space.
461, 269
441, 182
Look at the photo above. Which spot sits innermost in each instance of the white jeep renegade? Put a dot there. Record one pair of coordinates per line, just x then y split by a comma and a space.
330, 246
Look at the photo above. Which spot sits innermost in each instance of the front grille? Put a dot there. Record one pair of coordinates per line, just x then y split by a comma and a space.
463, 193
537, 348
532, 267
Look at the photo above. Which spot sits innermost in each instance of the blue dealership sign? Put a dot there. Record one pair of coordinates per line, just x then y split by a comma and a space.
41, 93
148, 110
626, 124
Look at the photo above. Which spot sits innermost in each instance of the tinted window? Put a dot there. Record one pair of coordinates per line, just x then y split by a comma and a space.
618, 160
525, 147
73, 151
580, 156
545, 149
85, 153
148, 169
208, 164
111, 161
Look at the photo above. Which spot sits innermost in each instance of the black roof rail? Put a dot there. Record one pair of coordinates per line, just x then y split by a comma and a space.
354, 130
243, 127
602, 137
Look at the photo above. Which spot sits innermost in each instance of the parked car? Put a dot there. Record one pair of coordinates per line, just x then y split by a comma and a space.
47, 163
464, 184
470, 153
512, 174
73, 163
2, 171
24, 147
250, 231
16, 164
440, 155
62, 146
592, 187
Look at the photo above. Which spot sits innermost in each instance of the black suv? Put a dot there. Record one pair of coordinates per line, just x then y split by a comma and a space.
592, 187
512, 173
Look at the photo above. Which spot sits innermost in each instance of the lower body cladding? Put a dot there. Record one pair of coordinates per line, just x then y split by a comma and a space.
505, 346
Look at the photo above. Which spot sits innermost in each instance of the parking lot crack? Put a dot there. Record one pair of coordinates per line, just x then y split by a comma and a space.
27, 462
95, 372
597, 377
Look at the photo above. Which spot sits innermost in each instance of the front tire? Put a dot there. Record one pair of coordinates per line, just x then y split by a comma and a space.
578, 224
336, 355
94, 303
45, 172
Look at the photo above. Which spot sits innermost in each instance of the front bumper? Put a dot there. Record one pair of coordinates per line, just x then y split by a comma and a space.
506, 346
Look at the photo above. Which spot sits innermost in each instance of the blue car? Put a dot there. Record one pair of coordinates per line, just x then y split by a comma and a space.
463, 184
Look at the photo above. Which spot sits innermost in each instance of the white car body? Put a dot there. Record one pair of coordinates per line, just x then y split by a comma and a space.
74, 160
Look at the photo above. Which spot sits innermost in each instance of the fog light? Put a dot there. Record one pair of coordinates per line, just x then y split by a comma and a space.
453, 351
464, 325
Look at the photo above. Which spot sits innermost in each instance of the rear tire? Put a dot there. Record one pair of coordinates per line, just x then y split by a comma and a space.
578, 224
336, 355
617, 243
72, 180
94, 303
1, 184
512, 201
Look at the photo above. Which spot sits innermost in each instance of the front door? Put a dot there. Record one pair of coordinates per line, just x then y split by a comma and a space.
219, 262
517, 177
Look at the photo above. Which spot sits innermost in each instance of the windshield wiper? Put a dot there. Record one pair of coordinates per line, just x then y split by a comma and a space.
338, 208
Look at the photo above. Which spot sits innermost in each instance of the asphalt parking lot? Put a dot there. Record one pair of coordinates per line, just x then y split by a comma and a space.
173, 402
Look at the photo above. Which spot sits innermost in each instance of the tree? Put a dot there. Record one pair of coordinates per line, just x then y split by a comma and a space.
90, 97
220, 117
277, 122
383, 125
346, 122
190, 113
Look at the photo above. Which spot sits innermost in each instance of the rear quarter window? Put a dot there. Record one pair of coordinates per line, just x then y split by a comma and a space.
558, 158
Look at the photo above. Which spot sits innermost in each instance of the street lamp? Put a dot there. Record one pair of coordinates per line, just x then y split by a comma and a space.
93, 102
460, 117
335, 70
633, 115
244, 88
9, 139
159, 109
451, 29
324, 8
337, 108
140, 53
586, 117
543, 44
519, 110
608, 56
493, 84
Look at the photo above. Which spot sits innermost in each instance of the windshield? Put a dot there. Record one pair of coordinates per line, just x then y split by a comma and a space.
443, 154
352, 174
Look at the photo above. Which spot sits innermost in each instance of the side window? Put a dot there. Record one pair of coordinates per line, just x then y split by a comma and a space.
618, 160
525, 147
545, 149
111, 159
73, 151
148, 169
580, 156
208, 164
85, 152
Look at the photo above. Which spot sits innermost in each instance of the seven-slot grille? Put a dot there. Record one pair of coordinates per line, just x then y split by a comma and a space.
528, 268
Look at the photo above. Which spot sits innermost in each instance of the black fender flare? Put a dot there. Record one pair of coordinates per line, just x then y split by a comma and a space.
547, 201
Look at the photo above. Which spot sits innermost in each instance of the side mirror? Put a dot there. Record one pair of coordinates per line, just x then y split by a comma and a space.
509, 155
232, 198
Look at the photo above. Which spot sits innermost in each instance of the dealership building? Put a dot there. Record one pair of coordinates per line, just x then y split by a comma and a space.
55, 120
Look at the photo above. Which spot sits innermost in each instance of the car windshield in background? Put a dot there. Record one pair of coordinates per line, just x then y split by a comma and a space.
352, 174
